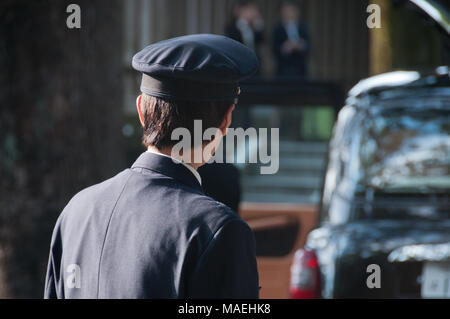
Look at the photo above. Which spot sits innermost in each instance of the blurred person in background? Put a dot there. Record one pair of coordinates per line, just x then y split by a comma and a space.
290, 42
247, 25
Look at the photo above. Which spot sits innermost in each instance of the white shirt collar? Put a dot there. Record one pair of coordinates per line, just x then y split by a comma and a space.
189, 167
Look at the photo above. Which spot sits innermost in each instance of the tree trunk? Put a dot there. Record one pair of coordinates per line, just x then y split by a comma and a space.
60, 119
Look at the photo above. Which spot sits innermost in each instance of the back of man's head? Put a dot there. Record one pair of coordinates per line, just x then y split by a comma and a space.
162, 116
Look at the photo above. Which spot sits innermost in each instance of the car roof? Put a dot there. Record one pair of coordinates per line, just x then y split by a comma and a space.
401, 80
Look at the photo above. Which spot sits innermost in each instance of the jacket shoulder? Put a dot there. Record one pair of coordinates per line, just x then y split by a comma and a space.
105, 193
214, 214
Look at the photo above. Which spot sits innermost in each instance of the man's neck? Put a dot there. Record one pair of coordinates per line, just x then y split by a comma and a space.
168, 152
165, 152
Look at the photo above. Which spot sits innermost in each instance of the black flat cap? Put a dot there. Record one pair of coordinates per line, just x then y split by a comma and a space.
204, 67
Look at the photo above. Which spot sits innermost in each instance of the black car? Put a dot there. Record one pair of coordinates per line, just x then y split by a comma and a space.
385, 213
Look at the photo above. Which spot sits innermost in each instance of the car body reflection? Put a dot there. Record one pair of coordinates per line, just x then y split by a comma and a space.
386, 198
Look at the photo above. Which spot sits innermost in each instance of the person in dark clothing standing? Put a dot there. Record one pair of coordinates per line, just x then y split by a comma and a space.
221, 181
151, 231
290, 42
247, 25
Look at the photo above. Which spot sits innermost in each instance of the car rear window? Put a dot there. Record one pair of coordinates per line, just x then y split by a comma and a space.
407, 150
405, 163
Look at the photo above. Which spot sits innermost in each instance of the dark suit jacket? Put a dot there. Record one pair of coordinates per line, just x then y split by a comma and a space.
234, 33
150, 232
293, 64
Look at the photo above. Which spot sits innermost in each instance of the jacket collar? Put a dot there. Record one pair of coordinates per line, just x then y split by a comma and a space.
166, 166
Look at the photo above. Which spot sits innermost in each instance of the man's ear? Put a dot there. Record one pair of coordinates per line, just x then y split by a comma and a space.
226, 120
138, 105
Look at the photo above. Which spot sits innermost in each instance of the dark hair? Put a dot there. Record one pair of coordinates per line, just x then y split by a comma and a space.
162, 117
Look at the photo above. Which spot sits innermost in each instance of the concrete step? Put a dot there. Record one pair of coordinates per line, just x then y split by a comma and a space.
298, 180
285, 197
303, 163
282, 182
310, 148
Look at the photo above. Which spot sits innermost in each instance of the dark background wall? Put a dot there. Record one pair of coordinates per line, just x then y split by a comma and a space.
338, 32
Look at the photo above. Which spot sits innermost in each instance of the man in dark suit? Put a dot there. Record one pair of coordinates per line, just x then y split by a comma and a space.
247, 25
290, 42
150, 231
